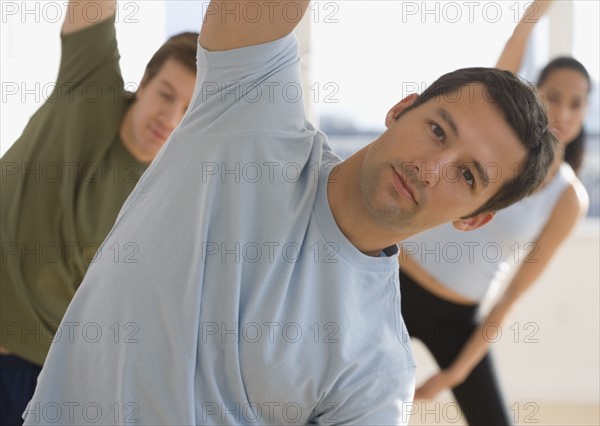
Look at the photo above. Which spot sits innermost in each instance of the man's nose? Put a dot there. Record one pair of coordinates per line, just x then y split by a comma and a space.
426, 172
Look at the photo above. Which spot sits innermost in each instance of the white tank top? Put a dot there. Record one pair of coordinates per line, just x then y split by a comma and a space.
471, 263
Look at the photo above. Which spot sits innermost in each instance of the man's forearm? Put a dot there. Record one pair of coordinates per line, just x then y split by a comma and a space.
230, 24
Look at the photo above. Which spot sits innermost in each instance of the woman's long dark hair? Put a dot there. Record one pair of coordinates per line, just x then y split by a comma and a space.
573, 151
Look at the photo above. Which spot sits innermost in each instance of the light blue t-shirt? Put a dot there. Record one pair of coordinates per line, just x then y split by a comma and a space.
474, 264
226, 293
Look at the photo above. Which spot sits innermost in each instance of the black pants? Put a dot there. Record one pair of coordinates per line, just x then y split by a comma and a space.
445, 328
18, 379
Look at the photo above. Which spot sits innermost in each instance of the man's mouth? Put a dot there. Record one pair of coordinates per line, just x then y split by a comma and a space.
159, 134
400, 183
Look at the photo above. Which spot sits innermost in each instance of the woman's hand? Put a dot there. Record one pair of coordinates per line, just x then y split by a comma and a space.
434, 385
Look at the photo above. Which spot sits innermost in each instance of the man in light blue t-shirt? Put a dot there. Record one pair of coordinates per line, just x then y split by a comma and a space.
265, 287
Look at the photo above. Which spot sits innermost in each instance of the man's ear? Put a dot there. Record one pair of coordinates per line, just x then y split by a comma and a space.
399, 108
473, 222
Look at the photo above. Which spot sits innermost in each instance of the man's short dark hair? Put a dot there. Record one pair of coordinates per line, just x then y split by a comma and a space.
181, 47
522, 110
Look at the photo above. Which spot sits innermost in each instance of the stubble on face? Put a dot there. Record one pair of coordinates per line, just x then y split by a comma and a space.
385, 207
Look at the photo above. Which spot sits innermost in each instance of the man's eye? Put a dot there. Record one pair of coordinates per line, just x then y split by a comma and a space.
437, 131
469, 178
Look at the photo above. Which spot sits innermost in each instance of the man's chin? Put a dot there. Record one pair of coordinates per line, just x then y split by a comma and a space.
153, 147
147, 154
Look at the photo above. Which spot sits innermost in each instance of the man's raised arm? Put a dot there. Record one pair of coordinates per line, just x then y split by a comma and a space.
229, 24
84, 13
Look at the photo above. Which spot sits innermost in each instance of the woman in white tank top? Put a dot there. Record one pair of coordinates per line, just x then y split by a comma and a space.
445, 273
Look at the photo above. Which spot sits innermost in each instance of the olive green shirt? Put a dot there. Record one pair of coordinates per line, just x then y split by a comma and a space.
63, 183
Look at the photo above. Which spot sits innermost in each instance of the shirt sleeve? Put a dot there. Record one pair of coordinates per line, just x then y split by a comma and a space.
90, 58
253, 89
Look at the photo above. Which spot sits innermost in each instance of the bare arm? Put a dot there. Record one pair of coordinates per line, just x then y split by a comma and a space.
514, 50
229, 24
569, 209
85, 13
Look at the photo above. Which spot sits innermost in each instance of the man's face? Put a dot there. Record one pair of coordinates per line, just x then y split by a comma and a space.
161, 104
439, 162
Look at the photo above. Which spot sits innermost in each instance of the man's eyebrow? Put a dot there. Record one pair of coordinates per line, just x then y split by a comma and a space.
166, 83
485, 180
447, 117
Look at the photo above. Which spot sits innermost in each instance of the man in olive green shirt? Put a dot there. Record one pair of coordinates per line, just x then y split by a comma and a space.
65, 179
